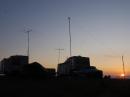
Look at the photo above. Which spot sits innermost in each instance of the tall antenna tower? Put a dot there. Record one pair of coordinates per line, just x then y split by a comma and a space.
28, 40
69, 18
59, 54
123, 66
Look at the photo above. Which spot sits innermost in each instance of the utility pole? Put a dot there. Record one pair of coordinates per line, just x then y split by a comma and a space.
59, 54
123, 66
28, 40
69, 18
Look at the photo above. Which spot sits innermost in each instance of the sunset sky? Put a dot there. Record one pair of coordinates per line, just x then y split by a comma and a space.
100, 30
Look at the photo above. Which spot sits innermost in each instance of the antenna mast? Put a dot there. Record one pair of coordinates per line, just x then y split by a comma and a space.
59, 51
123, 66
28, 40
70, 35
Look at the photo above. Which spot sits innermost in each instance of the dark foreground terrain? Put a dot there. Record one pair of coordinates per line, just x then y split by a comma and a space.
64, 88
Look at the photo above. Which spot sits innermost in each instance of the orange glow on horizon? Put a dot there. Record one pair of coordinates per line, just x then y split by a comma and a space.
122, 75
